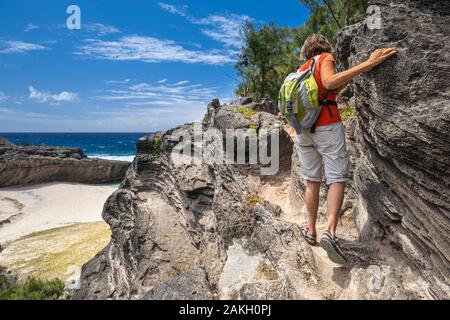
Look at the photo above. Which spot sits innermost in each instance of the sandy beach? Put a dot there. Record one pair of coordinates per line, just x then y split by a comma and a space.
37, 208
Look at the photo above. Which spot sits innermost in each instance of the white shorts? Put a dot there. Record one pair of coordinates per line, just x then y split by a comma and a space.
324, 149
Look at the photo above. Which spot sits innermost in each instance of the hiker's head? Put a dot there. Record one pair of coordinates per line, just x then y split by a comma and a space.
314, 45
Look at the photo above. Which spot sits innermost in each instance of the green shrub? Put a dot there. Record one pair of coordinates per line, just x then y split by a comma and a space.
246, 112
347, 112
157, 141
33, 289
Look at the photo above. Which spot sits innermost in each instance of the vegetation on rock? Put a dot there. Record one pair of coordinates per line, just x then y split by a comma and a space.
253, 199
347, 111
157, 141
246, 112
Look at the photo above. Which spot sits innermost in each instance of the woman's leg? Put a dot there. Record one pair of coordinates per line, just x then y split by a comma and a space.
312, 204
331, 145
334, 204
311, 167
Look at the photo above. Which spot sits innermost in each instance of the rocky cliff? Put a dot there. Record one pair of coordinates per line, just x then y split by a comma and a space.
403, 175
23, 165
170, 218
212, 230
207, 229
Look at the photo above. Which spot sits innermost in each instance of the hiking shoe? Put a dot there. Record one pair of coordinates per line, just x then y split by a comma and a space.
331, 246
311, 239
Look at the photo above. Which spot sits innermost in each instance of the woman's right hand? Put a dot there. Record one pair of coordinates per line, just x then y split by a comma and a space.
332, 80
379, 55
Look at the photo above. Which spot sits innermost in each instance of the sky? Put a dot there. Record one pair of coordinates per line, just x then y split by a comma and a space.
133, 66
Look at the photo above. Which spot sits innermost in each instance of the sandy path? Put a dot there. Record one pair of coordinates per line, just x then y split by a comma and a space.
46, 206
276, 190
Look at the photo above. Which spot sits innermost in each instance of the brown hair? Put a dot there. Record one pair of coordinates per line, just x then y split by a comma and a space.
314, 45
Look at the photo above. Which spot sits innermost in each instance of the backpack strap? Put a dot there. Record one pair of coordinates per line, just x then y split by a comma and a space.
324, 103
289, 107
294, 121
315, 61
327, 103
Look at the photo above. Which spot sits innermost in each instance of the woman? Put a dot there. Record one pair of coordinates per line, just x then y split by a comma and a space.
325, 148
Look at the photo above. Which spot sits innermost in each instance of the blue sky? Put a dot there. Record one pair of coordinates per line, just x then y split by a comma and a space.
134, 66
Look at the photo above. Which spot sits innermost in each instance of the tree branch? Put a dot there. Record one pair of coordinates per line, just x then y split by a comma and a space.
332, 13
347, 13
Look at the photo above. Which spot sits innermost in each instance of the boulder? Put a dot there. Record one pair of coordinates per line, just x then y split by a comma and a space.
191, 285
402, 177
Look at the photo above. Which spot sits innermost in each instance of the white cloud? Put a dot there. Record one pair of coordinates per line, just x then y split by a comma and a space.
225, 29
13, 46
45, 96
3, 96
133, 107
181, 83
158, 94
100, 29
118, 81
162, 81
180, 10
31, 27
152, 50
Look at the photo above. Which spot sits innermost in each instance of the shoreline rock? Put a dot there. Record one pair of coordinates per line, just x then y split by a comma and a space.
26, 165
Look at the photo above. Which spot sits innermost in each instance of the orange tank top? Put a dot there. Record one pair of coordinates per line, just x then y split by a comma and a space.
329, 114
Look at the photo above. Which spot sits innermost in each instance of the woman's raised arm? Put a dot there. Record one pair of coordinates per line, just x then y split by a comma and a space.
332, 80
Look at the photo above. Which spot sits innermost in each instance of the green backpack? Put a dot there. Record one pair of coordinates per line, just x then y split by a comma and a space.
299, 99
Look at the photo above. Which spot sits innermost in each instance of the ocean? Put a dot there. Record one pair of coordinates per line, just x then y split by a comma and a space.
111, 146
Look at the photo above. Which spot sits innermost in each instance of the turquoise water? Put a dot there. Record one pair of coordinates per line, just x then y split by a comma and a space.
114, 146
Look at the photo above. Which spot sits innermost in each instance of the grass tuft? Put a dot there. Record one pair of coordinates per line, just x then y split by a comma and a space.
32, 289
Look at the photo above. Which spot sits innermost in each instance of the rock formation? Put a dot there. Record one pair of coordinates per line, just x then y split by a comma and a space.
169, 218
206, 222
171, 222
30, 165
191, 285
402, 177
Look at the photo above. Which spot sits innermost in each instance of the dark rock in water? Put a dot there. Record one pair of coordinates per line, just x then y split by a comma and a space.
191, 285
4, 143
6, 146
403, 174
25, 165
